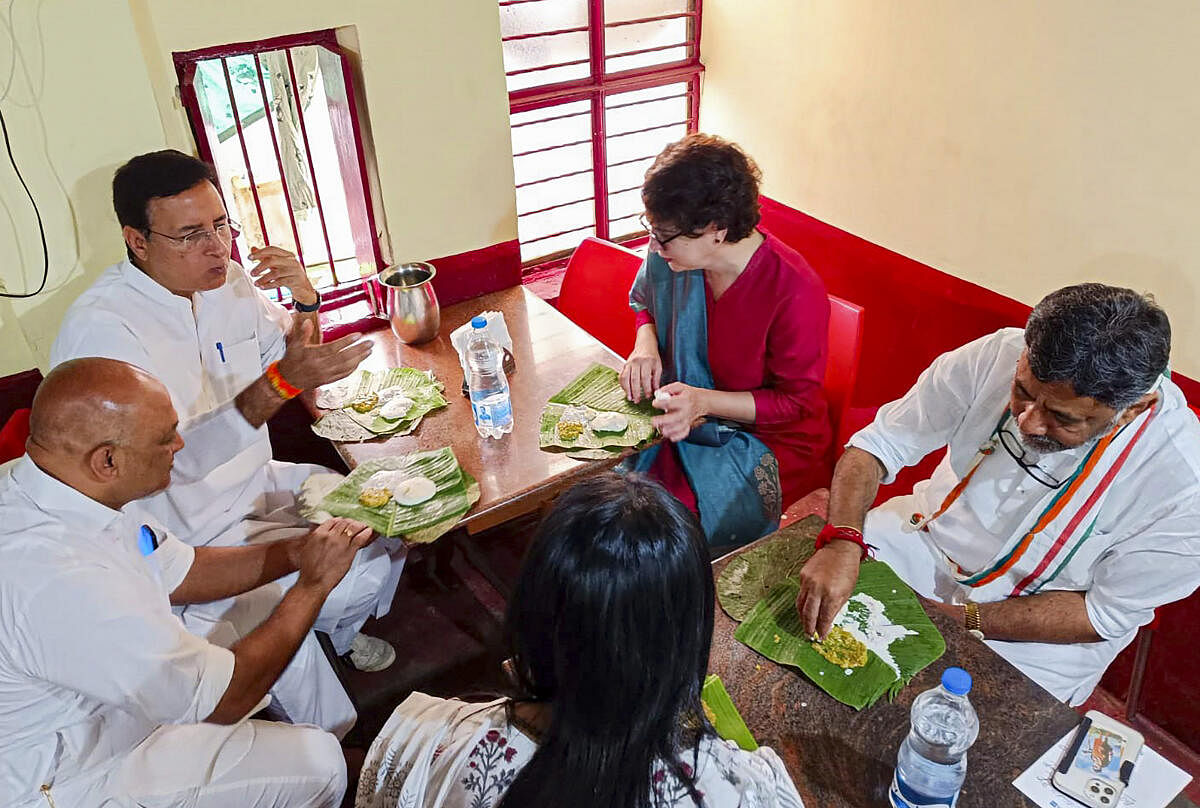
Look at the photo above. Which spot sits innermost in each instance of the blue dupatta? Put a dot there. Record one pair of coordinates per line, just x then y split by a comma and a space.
733, 473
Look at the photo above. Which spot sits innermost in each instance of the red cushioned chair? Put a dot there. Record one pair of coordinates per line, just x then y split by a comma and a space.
841, 368
13, 435
595, 292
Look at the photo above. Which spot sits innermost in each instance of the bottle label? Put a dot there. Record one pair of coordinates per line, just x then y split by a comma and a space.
492, 413
901, 796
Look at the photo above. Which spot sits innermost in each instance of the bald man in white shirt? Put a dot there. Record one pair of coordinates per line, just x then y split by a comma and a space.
1067, 507
103, 693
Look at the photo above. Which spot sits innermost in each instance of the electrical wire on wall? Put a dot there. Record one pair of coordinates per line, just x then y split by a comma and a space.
36, 212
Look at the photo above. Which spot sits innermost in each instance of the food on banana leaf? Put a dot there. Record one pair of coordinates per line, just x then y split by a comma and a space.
455, 492
597, 396
842, 649
414, 490
609, 422
365, 403
422, 391
396, 407
883, 615
375, 497
569, 430
334, 396
708, 712
388, 393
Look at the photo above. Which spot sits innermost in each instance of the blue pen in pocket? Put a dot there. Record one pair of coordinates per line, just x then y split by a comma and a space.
221, 351
147, 540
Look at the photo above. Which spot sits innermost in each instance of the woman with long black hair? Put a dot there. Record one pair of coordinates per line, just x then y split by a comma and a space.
609, 628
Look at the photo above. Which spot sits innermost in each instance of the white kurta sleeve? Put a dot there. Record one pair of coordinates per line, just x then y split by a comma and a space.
175, 559
89, 634
211, 439
906, 430
1159, 565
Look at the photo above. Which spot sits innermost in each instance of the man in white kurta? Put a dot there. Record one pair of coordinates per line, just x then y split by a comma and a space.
103, 693
1115, 519
179, 308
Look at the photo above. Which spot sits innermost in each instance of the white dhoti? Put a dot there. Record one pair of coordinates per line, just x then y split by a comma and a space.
252, 764
308, 691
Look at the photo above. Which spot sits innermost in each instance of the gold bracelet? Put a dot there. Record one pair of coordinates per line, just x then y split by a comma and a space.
973, 620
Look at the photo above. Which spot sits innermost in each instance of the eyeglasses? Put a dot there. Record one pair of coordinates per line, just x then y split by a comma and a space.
662, 242
192, 242
1016, 450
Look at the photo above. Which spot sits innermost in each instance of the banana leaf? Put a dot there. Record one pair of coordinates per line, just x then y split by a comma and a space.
773, 629
749, 576
726, 719
637, 433
338, 425
348, 425
599, 387
456, 492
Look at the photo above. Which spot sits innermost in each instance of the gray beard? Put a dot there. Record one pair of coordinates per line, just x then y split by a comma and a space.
1044, 444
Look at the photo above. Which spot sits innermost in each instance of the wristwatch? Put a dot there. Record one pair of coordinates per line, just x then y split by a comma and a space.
310, 308
972, 619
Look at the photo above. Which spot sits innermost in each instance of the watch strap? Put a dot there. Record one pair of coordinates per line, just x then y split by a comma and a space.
309, 308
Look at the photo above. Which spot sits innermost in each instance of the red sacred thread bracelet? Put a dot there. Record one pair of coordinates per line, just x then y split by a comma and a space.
831, 532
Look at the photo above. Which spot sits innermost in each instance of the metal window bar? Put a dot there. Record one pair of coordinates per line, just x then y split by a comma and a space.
311, 168
678, 15
555, 207
552, 148
287, 195
552, 118
556, 177
583, 29
237, 121
646, 129
524, 70
685, 44
684, 94
560, 233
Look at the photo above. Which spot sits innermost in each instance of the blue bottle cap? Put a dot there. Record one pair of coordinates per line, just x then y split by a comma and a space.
479, 322
956, 681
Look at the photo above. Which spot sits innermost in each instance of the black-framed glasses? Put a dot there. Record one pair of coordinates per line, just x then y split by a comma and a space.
662, 242
192, 242
1016, 450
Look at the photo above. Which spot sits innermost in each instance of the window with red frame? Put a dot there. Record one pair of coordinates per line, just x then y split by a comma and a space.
279, 121
596, 89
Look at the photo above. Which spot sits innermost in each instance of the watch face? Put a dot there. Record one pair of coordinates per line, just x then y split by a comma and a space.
976, 633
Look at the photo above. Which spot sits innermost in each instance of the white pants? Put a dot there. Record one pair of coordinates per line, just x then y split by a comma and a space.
308, 691
1069, 671
258, 763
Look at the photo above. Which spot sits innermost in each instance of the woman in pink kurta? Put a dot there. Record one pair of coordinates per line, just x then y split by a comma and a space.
735, 323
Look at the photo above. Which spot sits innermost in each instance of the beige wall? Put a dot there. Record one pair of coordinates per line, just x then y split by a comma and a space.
104, 88
1021, 145
78, 104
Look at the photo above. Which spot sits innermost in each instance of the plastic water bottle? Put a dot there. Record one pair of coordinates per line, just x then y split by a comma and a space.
490, 401
932, 762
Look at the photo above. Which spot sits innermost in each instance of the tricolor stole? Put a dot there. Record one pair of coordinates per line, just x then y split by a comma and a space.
1039, 552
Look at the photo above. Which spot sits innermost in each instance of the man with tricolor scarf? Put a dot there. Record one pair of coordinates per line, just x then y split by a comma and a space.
1067, 507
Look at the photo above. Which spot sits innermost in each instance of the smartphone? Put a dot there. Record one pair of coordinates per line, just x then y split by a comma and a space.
1099, 761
